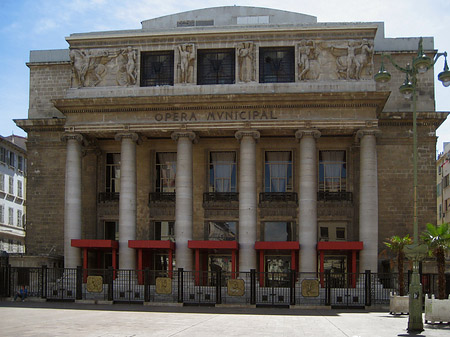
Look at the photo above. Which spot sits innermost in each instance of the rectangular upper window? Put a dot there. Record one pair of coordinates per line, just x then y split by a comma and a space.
222, 230
278, 171
222, 172
332, 171
278, 231
276, 65
112, 173
166, 168
157, 68
216, 66
165, 230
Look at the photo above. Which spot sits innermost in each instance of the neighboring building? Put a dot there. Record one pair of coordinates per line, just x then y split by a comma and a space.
443, 185
13, 162
252, 138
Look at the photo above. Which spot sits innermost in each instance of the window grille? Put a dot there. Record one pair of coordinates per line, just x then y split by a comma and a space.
216, 66
276, 65
157, 68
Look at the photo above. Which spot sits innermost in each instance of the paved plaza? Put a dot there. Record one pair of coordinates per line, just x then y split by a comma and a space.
71, 319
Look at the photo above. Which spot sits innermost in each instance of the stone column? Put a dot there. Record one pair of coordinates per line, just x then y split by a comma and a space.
127, 201
72, 202
247, 200
184, 199
368, 201
308, 200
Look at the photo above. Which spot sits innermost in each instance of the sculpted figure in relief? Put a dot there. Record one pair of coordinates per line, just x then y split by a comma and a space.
246, 62
88, 66
307, 52
359, 54
187, 58
127, 72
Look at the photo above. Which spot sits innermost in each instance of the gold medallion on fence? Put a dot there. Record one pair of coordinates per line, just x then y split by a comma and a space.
310, 288
163, 285
94, 284
235, 287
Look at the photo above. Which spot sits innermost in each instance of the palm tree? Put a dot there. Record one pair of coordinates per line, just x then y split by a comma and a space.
396, 244
438, 240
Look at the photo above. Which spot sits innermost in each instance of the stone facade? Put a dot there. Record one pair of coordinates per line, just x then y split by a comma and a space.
95, 89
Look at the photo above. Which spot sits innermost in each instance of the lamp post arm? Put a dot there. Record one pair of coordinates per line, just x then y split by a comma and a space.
437, 56
407, 70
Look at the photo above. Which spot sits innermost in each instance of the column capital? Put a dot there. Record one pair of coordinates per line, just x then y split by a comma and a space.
185, 134
367, 132
128, 135
299, 134
247, 133
72, 136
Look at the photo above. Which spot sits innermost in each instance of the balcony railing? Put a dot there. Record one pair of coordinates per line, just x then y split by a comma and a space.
278, 197
334, 196
108, 196
220, 197
161, 197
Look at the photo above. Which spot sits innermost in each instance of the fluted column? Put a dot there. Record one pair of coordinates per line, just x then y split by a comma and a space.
247, 200
308, 200
127, 201
184, 199
368, 201
72, 202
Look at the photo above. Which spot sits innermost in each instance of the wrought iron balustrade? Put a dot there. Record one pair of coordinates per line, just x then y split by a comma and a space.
334, 196
161, 197
278, 197
220, 196
108, 196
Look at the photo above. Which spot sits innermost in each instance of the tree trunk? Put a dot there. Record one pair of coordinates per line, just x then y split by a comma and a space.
401, 279
440, 260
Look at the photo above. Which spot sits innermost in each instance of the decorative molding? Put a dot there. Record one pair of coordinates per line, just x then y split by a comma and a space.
247, 133
367, 132
307, 132
127, 135
72, 136
185, 134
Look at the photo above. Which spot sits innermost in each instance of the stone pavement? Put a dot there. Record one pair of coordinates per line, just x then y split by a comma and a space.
72, 319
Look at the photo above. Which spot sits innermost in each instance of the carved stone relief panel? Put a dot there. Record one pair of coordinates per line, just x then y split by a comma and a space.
103, 67
185, 61
246, 62
335, 59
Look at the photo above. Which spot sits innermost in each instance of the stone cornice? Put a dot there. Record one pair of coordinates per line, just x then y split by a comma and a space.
41, 124
296, 100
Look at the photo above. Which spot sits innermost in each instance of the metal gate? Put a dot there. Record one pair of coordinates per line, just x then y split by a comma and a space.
126, 287
59, 283
201, 287
347, 290
274, 289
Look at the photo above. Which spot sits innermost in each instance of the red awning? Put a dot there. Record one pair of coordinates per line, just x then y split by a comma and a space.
95, 244
224, 245
277, 245
339, 245
151, 244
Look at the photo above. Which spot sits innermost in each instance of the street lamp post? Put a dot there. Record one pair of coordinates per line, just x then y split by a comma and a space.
415, 252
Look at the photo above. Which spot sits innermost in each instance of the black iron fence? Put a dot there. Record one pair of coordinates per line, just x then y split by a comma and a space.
207, 288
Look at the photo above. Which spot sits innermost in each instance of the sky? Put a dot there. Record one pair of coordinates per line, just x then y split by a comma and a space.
43, 24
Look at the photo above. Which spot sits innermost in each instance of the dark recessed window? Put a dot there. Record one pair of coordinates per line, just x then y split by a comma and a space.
216, 66
276, 65
157, 68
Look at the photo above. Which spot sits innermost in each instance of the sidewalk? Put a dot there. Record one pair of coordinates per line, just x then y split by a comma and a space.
71, 319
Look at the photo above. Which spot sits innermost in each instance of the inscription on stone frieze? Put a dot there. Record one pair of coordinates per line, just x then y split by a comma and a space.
215, 116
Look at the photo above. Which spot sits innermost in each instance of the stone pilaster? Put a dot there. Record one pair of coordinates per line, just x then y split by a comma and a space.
184, 199
72, 203
308, 199
368, 200
247, 199
127, 201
